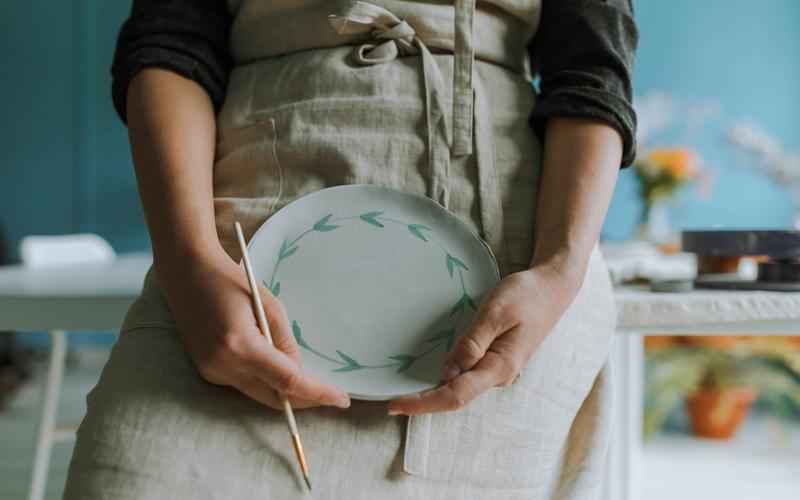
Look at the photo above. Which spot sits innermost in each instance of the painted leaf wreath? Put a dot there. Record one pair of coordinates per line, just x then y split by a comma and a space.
400, 362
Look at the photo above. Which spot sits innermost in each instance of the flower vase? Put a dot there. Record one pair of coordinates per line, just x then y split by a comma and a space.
655, 226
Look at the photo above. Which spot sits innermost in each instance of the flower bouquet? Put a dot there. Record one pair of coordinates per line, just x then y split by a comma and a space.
661, 173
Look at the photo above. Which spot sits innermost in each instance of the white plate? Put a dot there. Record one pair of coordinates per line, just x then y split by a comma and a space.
378, 283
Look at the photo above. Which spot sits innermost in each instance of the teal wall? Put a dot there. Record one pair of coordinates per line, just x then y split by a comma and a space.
743, 55
65, 164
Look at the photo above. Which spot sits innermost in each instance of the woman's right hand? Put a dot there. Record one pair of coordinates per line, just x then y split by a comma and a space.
172, 128
211, 302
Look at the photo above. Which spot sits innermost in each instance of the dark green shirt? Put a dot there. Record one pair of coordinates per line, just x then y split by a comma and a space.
583, 54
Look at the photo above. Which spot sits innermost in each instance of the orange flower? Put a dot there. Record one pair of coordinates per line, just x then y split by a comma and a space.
680, 163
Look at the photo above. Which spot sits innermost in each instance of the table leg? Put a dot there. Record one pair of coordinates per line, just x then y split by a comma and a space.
47, 422
625, 459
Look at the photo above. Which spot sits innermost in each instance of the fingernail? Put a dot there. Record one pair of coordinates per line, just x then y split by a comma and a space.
450, 371
343, 402
393, 412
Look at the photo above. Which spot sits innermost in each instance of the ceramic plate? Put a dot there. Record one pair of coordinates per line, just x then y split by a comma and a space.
378, 283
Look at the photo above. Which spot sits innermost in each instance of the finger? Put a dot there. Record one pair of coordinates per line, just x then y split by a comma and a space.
256, 389
470, 348
515, 348
278, 321
455, 394
284, 375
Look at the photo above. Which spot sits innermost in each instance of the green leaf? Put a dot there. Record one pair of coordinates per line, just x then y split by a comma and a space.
441, 335
416, 230
452, 263
348, 368
350, 363
276, 290
298, 335
322, 224
458, 307
286, 251
449, 335
347, 358
406, 360
371, 218
450, 341
470, 302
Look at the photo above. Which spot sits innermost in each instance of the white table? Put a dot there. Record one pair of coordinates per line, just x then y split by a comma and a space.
84, 297
641, 312
97, 297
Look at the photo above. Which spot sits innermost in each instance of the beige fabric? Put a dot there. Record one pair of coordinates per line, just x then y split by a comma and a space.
365, 96
264, 29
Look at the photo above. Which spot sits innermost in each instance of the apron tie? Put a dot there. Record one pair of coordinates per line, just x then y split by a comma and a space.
464, 57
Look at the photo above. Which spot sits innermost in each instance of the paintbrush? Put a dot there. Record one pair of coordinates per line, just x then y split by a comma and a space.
264, 327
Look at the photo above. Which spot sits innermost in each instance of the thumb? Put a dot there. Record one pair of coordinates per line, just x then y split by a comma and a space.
471, 347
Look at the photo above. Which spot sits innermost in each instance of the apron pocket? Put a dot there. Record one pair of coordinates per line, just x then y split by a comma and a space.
248, 179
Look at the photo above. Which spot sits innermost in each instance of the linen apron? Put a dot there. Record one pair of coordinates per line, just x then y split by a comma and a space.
427, 97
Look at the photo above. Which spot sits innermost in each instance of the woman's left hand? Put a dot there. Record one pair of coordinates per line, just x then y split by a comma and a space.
511, 322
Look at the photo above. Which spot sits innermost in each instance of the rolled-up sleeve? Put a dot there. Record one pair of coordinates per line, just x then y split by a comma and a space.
584, 54
189, 37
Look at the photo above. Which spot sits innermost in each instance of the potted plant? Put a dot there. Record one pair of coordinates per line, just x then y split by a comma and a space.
653, 343
719, 386
719, 342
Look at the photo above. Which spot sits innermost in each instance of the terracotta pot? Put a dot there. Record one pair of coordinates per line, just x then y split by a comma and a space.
718, 414
654, 343
719, 342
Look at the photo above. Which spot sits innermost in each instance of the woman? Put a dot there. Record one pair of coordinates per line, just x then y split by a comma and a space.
235, 109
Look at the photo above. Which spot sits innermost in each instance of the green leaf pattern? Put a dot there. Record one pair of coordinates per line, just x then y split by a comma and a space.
298, 335
322, 225
350, 364
372, 218
416, 230
400, 362
287, 250
405, 361
453, 263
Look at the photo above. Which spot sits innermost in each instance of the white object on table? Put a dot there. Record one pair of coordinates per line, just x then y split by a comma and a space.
701, 312
86, 296
630, 260
64, 250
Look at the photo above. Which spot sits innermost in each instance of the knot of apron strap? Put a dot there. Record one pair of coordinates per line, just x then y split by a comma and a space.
399, 40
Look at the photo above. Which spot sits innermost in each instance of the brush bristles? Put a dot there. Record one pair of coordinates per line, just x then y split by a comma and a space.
301, 457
